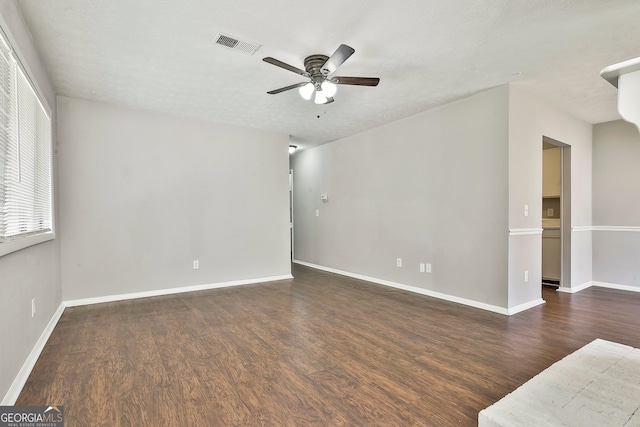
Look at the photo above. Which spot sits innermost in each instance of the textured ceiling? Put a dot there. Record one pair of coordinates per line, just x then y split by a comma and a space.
159, 55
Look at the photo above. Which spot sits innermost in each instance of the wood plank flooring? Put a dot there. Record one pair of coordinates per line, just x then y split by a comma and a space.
318, 350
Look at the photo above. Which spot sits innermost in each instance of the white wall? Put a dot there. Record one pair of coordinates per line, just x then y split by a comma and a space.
447, 186
616, 204
142, 195
33, 272
431, 188
531, 119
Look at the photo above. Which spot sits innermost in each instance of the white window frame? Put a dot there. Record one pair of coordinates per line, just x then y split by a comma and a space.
26, 241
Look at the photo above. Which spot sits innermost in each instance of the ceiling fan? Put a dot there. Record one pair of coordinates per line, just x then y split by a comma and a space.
318, 69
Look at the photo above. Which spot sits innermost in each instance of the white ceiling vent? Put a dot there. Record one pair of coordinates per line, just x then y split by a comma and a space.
233, 43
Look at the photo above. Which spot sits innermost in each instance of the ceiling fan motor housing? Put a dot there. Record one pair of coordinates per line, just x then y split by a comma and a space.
313, 65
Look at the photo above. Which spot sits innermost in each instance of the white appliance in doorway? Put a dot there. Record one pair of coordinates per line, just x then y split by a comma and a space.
551, 251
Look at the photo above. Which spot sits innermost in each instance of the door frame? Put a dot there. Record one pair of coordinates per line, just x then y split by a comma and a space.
291, 240
565, 211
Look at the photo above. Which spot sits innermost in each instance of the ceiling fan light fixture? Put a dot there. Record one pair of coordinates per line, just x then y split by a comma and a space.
320, 98
306, 91
328, 89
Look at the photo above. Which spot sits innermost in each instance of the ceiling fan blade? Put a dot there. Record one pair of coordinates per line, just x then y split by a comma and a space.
283, 89
329, 100
342, 53
281, 64
358, 81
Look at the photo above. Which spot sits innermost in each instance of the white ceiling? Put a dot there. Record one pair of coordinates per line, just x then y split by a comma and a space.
159, 55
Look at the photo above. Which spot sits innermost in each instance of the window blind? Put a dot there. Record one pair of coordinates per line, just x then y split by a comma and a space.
25, 154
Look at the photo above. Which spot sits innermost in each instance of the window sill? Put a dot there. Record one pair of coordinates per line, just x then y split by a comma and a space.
9, 247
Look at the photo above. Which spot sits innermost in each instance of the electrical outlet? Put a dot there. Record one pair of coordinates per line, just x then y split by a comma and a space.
317, 212
421, 267
550, 212
399, 262
196, 264
526, 210
33, 308
428, 268
526, 276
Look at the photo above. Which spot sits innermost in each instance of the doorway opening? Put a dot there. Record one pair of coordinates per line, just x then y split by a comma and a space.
556, 213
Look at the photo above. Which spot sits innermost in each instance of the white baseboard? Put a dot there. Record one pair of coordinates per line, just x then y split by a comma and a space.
617, 286
434, 294
525, 306
170, 291
20, 380
575, 289
601, 285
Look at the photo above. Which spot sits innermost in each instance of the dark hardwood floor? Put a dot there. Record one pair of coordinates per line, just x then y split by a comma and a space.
319, 350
